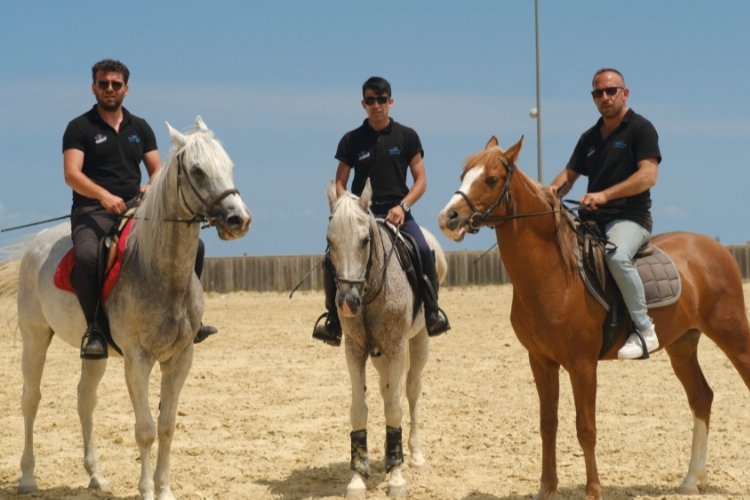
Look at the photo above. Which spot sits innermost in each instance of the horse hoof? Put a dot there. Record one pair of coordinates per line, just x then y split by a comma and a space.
27, 488
100, 484
418, 463
355, 494
688, 489
397, 491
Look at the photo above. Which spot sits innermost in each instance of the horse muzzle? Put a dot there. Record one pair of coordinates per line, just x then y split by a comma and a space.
233, 225
451, 224
348, 301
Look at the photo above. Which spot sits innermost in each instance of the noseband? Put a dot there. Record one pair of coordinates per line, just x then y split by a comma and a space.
478, 219
208, 207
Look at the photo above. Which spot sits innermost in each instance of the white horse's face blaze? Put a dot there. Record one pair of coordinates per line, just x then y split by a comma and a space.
452, 218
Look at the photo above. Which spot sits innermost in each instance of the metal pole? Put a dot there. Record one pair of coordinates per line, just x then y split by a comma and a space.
538, 96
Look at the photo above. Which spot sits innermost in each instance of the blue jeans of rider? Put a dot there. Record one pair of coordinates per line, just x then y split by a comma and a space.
628, 237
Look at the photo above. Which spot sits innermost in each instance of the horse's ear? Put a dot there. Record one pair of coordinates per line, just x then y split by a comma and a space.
512, 153
492, 143
332, 196
364, 199
200, 124
177, 136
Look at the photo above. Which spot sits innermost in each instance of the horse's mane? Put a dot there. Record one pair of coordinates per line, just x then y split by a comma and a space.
158, 205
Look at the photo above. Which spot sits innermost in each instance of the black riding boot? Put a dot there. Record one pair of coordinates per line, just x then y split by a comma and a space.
330, 331
93, 343
435, 318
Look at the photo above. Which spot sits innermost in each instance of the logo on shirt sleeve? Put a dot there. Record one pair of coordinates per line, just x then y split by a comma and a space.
100, 138
363, 155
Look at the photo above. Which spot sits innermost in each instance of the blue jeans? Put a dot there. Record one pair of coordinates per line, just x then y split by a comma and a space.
628, 237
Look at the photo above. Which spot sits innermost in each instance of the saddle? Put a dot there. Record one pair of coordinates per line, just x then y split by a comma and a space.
660, 278
111, 254
407, 253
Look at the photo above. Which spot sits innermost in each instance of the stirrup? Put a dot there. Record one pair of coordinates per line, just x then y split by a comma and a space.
204, 332
324, 333
93, 333
441, 316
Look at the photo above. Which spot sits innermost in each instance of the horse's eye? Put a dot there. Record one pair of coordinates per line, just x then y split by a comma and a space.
491, 181
365, 242
197, 174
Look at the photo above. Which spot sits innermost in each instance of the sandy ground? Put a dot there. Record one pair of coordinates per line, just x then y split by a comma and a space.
264, 414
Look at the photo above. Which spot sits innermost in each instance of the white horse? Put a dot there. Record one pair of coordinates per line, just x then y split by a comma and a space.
154, 309
376, 306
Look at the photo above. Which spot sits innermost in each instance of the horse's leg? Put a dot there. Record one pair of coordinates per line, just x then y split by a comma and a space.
583, 381
173, 376
419, 348
138, 366
547, 380
356, 360
391, 372
683, 355
92, 372
34, 355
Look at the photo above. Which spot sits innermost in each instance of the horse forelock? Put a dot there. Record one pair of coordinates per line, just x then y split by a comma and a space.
489, 158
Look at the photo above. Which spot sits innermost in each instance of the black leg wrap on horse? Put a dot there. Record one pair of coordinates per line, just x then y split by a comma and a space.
360, 462
394, 451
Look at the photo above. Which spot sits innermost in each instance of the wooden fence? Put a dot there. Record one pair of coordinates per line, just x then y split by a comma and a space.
283, 273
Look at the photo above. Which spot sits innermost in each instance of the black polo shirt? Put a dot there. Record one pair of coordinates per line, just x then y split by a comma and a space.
110, 159
608, 162
383, 156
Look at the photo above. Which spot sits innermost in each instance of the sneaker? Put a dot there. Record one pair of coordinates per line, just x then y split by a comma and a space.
634, 349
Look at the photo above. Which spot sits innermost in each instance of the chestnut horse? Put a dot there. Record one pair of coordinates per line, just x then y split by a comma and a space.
560, 323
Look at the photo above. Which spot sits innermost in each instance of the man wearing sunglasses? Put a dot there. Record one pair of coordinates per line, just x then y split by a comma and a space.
102, 152
382, 150
620, 156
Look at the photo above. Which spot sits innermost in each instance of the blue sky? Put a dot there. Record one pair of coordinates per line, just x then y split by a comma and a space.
279, 83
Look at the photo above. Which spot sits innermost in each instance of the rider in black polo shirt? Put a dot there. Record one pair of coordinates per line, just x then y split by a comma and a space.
102, 152
384, 151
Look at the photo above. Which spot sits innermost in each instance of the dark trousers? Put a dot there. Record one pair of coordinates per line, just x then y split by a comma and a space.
87, 230
411, 228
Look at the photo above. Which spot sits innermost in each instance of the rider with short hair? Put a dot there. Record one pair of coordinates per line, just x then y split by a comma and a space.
382, 150
102, 152
620, 155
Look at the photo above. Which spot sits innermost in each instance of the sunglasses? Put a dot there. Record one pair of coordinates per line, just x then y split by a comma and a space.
381, 99
610, 91
105, 84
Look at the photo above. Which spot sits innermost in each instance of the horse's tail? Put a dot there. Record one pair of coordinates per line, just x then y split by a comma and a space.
9, 278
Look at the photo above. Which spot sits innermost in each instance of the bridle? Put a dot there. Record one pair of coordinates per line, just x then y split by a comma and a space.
365, 281
208, 206
477, 219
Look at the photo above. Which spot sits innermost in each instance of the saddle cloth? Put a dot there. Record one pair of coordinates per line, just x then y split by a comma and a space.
112, 260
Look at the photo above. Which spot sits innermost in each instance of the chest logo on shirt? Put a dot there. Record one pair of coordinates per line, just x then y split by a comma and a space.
134, 138
395, 151
620, 144
100, 138
363, 155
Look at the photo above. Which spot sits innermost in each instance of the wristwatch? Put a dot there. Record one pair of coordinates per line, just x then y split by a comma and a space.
405, 206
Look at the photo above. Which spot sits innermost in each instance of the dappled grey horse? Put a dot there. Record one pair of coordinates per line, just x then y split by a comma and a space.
376, 306
154, 309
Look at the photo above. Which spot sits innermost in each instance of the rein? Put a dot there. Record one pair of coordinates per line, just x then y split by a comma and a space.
478, 219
